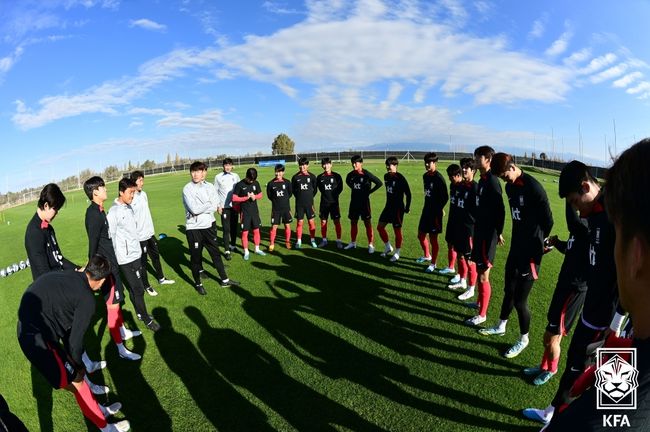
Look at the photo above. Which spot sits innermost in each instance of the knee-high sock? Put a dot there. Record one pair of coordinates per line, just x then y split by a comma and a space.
473, 275
299, 230
312, 229
287, 234
544, 364
462, 268
553, 363
451, 255
382, 233
337, 227
272, 234
435, 247
256, 237
354, 230
399, 238
424, 243
369, 232
114, 324
244, 240
484, 293
323, 229
89, 406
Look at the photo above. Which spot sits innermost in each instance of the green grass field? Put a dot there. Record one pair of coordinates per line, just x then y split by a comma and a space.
316, 339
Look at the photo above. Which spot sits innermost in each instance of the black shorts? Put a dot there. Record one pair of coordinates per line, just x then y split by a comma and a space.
48, 358
303, 210
327, 210
484, 249
281, 217
360, 210
392, 215
250, 221
449, 231
430, 222
112, 289
462, 241
566, 304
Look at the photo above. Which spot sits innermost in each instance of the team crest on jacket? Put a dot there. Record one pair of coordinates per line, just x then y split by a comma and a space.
331, 180
521, 200
254, 187
308, 180
284, 186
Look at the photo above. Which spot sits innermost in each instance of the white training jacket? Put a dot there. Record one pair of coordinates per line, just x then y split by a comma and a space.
143, 220
124, 233
200, 202
224, 183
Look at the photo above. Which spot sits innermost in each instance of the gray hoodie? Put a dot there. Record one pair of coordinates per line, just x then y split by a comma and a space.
143, 219
124, 233
200, 201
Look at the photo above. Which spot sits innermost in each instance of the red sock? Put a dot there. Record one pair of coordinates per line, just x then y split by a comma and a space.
545, 360
113, 318
435, 247
473, 275
299, 230
462, 268
422, 237
399, 238
312, 229
553, 364
256, 237
451, 255
272, 234
382, 233
287, 234
323, 229
244, 240
369, 232
354, 230
484, 293
337, 227
89, 406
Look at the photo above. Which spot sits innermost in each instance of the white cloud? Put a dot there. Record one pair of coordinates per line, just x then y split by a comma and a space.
560, 45
642, 87
578, 57
148, 24
280, 8
610, 73
539, 27
628, 79
598, 63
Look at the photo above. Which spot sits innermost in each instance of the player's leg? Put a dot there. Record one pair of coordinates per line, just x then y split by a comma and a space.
144, 248
195, 246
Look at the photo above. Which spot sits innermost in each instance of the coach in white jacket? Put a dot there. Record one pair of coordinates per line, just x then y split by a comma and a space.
124, 235
224, 182
200, 201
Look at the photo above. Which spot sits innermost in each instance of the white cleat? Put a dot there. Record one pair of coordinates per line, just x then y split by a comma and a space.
516, 349
95, 388
120, 426
394, 258
430, 269
351, 245
475, 320
109, 410
462, 284
446, 270
388, 249
128, 355
128, 334
455, 279
92, 366
539, 415
165, 281
371, 249
423, 259
467, 294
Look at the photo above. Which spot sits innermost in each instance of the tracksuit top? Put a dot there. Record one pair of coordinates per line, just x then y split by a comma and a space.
491, 211
361, 185
330, 187
240, 195
124, 233
396, 189
43, 249
465, 209
143, 219
575, 249
224, 184
304, 188
99, 239
435, 192
454, 192
279, 193
200, 201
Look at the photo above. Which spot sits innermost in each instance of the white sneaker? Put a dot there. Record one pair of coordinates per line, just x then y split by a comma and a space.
394, 258
96, 389
455, 279
322, 243
388, 249
111, 409
120, 426
430, 269
539, 415
467, 294
516, 349
371, 249
165, 281
351, 245
128, 334
126, 354
475, 320
152, 292
462, 284
260, 252
423, 259
446, 270
96, 366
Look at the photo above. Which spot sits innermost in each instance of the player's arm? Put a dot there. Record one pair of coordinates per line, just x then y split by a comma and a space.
544, 209
348, 180
314, 183
498, 208
442, 196
235, 194
407, 192
217, 188
269, 191
36, 252
259, 188
339, 185
576, 225
374, 180
94, 223
82, 317
194, 204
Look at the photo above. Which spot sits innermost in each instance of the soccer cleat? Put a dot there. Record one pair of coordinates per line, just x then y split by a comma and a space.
271, 247
228, 255
423, 259
387, 249
543, 378
229, 283
339, 244
165, 281
371, 249
199, 288
475, 320
467, 294
92, 366
350, 245
247, 256
394, 258
537, 415
153, 325
109, 410
533, 371
260, 252
120, 426
96, 389
298, 245
455, 279
446, 270
491, 331
152, 292
128, 334
288, 245
462, 284
323, 243
430, 269
516, 349
313, 244
126, 354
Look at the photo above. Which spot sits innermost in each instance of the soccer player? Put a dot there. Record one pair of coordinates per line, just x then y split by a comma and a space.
435, 199
465, 215
279, 192
99, 242
362, 183
330, 185
200, 201
124, 235
568, 297
490, 218
304, 187
247, 192
53, 317
600, 314
532, 221
224, 182
455, 177
146, 234
396, 189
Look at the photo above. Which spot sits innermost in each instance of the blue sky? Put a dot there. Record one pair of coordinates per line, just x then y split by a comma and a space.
92, 83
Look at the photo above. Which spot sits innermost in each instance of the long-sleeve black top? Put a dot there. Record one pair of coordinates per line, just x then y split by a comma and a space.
279, 193
576, 248
43, 249
435, 192
397, 187
99, 240
304, 188
362, 184
491, 211
330, 187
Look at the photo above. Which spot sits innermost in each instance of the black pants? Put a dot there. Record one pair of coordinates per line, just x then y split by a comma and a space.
150, 248
196, 240
132, 273
229, 221
517, 288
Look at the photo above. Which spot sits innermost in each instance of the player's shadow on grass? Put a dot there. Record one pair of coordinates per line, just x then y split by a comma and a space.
219, 402
173, 251
140, 403
244, 363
